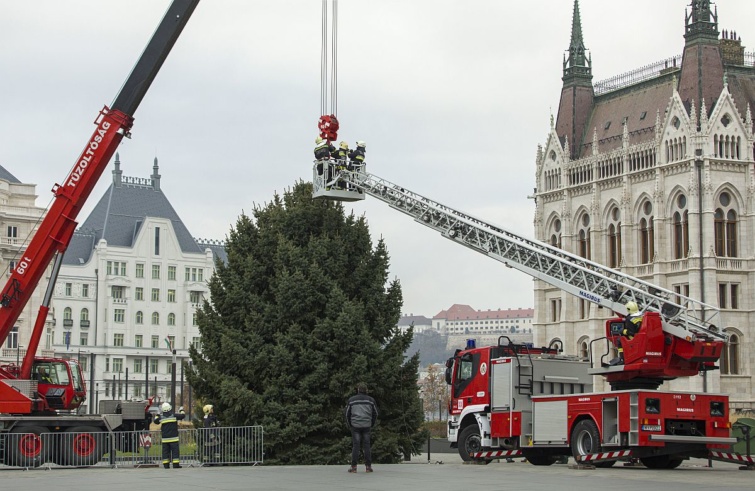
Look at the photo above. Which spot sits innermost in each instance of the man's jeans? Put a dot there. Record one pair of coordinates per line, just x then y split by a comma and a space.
360, 437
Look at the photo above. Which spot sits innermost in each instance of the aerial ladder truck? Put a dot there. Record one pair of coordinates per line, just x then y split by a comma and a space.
32, 407
513, 400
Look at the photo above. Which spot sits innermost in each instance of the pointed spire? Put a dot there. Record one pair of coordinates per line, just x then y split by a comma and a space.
567, 153
117, 173
657, 124
155, 176
595, 141
693, 114
578, 64
748, 119
703, 115
700, 22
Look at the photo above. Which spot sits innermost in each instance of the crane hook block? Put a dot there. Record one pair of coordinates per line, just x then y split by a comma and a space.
328, 126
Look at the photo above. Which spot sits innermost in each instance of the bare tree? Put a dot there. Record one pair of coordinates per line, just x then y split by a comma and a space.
436, 394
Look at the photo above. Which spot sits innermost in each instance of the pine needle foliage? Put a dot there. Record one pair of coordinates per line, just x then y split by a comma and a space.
302, 312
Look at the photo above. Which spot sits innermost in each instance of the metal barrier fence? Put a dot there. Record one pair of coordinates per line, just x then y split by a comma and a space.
242, 445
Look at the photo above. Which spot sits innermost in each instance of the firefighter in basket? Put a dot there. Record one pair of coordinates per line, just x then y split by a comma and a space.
632, 324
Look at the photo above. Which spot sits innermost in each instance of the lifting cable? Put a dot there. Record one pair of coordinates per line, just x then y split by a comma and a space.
328, 123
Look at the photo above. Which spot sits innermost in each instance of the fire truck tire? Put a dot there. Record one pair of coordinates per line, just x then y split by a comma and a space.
82, 446
585, 440
24, 447
661, 462
541, 459
469, 442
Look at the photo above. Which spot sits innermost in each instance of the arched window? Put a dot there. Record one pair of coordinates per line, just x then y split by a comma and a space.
725, 227
582, 349
614, 238
155, 318
85, 314
647, 233
557, 343
583, 236
730, 356
67, 314
171, 319
140, 317
681, 228
556, 234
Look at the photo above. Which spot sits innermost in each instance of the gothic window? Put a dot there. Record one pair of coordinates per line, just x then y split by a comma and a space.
681, 228
725, 227
647, 233
583, 235
730, 356
614, 238
555, 239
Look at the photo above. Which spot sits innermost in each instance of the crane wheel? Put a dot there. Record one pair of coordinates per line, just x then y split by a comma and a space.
25, 447
82, 446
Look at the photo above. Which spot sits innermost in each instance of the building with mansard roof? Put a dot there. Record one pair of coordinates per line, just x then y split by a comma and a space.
130, 284
652, 173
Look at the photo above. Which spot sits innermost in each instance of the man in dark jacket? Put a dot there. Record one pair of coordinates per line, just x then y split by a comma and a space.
169, 429
361, 416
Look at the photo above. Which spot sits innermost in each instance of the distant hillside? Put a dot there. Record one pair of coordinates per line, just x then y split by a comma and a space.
431, 346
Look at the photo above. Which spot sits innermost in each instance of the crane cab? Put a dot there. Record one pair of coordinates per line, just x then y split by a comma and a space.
327, 184
60, 382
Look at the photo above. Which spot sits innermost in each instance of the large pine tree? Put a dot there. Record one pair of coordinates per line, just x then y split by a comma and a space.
301, 313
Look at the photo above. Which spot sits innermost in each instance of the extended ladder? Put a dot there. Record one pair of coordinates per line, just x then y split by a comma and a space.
685, 318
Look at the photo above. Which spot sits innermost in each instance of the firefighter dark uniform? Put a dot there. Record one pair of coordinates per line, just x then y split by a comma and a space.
357, 155
632, 324
169, 430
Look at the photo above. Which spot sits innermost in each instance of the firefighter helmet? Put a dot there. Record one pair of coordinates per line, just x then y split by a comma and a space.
360, 143
318, 140
207, 408
344, 145
632, 308
166, 407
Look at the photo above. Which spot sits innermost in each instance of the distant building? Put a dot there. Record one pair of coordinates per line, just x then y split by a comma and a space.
19, 217
463, 319
131, 282
651, 173
420, 323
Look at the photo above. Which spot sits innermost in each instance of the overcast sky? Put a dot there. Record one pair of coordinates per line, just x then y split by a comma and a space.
452, 98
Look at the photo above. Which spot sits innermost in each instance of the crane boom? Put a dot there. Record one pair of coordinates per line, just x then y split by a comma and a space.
55, 231
685, 317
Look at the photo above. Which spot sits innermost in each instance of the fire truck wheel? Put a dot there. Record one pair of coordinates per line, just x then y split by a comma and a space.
25, 447
660, 462
585, 440
82, 446
541, 459
469, 442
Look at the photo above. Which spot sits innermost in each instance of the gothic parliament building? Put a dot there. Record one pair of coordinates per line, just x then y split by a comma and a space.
653, 173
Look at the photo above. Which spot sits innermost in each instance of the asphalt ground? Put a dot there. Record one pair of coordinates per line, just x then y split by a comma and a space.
416, 475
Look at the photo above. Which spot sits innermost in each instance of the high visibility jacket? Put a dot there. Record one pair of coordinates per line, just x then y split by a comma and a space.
632, 324
357, 155
322, 151
169, 426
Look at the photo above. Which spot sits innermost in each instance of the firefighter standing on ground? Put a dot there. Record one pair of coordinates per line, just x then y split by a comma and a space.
361, 416
632, 324
169, 430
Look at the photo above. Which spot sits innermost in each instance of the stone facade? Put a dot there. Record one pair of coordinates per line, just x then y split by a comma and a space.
659, 185
19, 217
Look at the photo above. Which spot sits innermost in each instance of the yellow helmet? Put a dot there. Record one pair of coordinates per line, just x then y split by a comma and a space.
207, 409
318, 140
344, 145
632, 308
